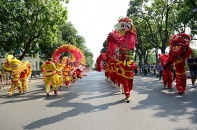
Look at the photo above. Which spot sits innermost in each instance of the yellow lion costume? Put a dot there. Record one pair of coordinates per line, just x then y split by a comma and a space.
16, 69
25, 74
20, 72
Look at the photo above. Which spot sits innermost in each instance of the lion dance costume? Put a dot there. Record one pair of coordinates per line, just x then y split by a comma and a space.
6, 67
167, 73
25, 74
127, 76
179, 52
20, 72
15, 72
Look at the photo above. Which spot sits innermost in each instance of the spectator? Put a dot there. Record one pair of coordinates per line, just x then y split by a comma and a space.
148, 67
145, 67
160, 70
1, 76
173, 72
191, 62
154, 68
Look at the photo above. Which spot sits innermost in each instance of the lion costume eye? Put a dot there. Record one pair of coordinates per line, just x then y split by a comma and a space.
186, 39
129, 26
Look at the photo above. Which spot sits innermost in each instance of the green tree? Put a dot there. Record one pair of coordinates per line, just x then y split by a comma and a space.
185, 16
70, 36
68, 33
145, 44
104, 49
27, 25
157, 20
89, 58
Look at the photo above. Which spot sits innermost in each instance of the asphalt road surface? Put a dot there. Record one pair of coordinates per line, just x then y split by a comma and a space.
93, 103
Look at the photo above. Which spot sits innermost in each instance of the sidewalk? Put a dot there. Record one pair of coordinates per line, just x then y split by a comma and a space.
151, 73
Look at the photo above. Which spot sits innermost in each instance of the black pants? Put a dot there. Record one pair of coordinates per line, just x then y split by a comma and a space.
154, 71
145, 71
160, 74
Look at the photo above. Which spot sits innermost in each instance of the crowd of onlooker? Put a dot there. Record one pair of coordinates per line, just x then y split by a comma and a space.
154, 68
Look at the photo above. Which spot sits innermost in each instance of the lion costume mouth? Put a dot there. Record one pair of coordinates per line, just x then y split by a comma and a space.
176, 46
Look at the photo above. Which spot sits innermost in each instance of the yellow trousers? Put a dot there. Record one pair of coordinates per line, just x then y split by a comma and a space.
24, 84
17, 84
50, 80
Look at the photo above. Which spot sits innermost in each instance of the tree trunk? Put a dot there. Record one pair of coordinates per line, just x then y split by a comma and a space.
28, 45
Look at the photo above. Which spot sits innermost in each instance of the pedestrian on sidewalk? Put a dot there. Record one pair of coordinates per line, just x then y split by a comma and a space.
154, 68
173, 72
192, 64
1, 77
145, 68
160, 70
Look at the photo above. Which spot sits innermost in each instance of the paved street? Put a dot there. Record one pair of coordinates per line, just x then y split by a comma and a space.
95, 104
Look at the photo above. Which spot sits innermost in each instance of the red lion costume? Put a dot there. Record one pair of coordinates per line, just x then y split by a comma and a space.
167, 73
179, 52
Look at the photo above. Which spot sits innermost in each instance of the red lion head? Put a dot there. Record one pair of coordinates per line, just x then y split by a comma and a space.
179, 46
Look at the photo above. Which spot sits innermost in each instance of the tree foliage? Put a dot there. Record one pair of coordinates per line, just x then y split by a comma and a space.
25, 24
156, 21
89, 58
186, 17
37, 26
104, 49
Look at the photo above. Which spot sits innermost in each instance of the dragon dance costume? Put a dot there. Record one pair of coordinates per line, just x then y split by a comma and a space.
59, 75
120, 42
66, 74
127, 77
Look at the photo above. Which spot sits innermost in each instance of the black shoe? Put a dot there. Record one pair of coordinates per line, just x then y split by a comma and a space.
47, 95
127, 100
181, 93
9, 95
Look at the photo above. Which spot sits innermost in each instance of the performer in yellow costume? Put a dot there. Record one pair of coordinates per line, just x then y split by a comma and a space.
16, 69
49, 69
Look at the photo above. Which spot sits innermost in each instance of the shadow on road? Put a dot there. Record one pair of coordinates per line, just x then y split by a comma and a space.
77, 109
89, 94
166, 102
